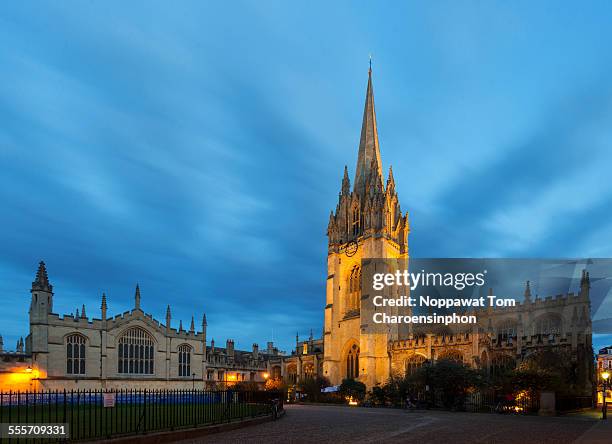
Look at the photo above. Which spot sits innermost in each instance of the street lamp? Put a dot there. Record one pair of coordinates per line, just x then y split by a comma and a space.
604, 408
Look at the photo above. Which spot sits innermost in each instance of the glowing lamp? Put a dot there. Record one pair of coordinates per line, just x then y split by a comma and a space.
266, 375
605, 375
29, 369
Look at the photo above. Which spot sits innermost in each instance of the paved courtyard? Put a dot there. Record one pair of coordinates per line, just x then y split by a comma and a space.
338, 424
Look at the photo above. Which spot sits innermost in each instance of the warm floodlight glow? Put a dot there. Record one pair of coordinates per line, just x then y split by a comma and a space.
605, 375
266, 376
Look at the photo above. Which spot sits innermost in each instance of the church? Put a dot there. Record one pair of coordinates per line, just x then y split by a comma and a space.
367, 223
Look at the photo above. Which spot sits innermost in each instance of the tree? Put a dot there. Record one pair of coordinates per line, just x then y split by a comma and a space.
311, 387
378, 395
248, 386
453, 380
353, 389
275, 385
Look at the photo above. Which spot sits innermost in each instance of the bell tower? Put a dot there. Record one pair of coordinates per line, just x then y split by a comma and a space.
367, 224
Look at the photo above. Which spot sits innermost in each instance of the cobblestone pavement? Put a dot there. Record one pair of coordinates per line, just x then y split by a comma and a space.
338, 424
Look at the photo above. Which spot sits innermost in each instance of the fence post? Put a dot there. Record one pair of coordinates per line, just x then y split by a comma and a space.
144, 412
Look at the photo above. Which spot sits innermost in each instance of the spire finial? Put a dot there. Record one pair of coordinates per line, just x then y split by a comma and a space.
41, 282
192, 326
103, 306
83, 315
370, 63
137, 298
346, 182
527, 292
204, 323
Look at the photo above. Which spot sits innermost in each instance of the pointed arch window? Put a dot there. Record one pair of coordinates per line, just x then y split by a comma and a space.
414, 363
355, 225
184, 357
75, 355
548, 324
506, 330
352, 362
135, 352
354, 288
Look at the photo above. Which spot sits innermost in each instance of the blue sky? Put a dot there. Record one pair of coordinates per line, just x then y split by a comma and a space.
198, 149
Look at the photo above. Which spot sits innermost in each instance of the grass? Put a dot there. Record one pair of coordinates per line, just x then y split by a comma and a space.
91, 420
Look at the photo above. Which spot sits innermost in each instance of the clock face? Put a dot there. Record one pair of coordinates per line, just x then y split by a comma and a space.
351, 248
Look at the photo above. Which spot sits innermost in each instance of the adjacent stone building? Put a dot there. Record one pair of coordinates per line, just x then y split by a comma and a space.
604, 364
132, 349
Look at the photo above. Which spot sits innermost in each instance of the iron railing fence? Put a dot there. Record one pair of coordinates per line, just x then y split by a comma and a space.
103, 414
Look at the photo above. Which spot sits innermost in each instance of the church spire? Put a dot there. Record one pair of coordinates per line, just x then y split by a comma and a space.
41, 282
369, 151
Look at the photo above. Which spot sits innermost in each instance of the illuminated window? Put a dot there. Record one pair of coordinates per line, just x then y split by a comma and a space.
184, 358
292, 373
451, 355
352, 363
309, 371
135, 352
75, 355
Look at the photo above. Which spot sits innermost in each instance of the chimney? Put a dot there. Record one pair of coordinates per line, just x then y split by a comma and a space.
229, 348
255, 351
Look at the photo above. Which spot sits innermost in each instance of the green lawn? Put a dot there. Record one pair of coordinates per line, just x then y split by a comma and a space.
93, 421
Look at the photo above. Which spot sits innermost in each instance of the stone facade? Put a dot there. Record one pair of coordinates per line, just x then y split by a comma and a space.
604, 364
131, 349
305, 361
367, 223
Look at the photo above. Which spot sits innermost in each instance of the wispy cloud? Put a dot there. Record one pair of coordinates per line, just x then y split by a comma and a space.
198, 150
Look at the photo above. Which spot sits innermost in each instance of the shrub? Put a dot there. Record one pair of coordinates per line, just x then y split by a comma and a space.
275, 385
353, 389
311, 387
